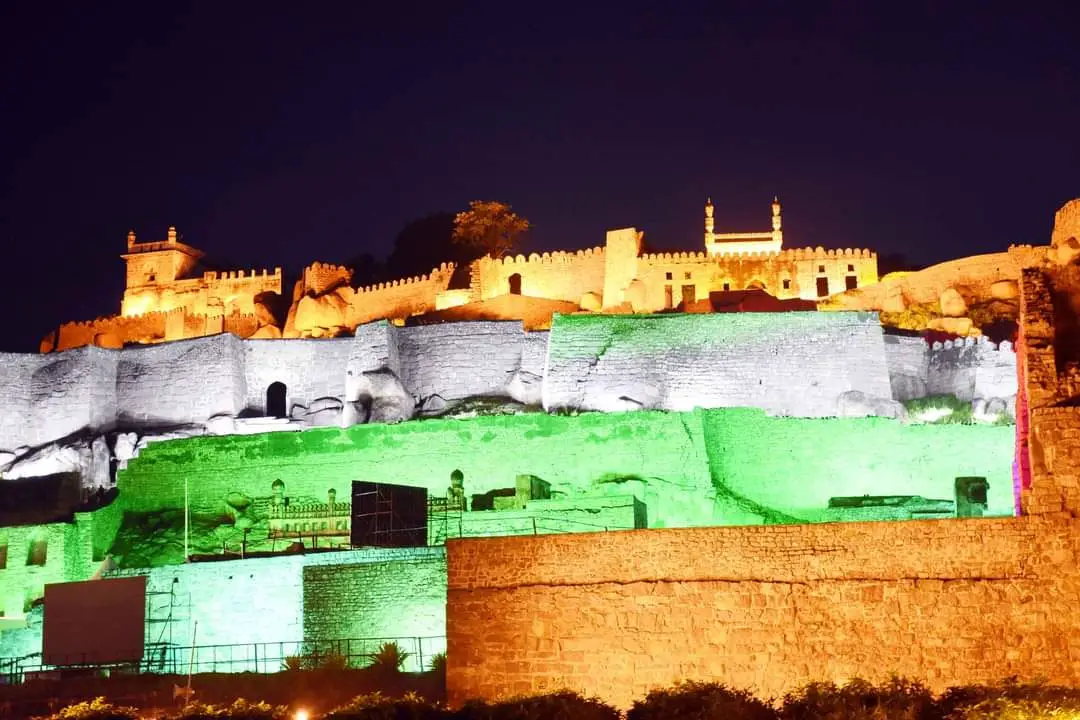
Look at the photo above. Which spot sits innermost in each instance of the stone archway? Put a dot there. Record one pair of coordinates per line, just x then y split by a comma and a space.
275, 400
515, 284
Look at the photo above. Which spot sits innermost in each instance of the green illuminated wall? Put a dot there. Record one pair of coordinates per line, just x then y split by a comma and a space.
397, 593
74, 550
717, 467
574, 454
794, 465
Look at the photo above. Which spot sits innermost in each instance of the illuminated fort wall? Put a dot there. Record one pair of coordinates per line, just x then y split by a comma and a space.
35, 555
689, 468
772, 608
352, 595
767, 608
556, 276
788, 363
797, 363
168, 296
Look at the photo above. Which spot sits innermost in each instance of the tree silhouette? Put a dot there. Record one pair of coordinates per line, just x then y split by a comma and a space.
425, 243
489, 227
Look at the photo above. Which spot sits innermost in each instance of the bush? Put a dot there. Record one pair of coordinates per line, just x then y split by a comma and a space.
241, 709
556, 706
700, 701
377, 707
1011, 709
1009, 700
315, 661
438, 663
96, 709
895, 699
389, 658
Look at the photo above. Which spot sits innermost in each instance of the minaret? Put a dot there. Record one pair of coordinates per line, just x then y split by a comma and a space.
777, 233
709, 224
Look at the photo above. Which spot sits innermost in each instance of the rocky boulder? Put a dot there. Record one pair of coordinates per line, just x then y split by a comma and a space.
1004, 290
591, 301
221, 425
324, 311
89, 458
324, 412
525, 387
382, 393
855, 403
953, 303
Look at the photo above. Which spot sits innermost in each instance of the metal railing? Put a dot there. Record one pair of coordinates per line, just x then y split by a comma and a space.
266, 657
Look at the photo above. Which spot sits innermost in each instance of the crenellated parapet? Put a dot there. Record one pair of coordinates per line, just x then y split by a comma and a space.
437, 275
321, 277
548, 258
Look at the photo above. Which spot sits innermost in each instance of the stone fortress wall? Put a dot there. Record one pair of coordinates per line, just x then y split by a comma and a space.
969, 368
167, 299
949, 602
799, 364
764, 608
293, 600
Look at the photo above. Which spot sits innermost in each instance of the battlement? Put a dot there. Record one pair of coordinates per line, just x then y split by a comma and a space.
212, 276
1066, 223
549, 258
982, 342
320, 277
818, 253
440, 273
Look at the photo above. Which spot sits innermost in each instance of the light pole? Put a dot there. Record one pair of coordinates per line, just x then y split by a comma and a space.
186, 522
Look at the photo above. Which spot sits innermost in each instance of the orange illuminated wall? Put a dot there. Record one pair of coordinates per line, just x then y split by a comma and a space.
768, 608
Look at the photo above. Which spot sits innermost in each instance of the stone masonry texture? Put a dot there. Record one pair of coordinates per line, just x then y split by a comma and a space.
766, 608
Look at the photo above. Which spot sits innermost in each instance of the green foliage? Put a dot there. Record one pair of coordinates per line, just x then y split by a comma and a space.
894, 699
96, 709
241, 709
959, 411
389, 658
377, 707
1009, 700
1010, 709
700, 701
315, 661
438, 663
563, 705
490, 227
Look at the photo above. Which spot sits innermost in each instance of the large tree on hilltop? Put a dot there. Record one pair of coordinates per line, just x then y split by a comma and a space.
425, 243
489, 227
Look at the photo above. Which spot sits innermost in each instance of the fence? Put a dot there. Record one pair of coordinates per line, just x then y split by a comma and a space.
165, 659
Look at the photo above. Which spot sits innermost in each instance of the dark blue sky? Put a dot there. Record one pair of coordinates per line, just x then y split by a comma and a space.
276, 134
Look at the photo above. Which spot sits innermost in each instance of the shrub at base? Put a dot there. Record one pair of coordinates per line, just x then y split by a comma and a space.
895, 699
556, 706
700, 700
241, 709
377, 707
96, 709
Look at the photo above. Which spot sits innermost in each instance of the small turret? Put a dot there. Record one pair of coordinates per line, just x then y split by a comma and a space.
131, 239
172, 234
331, 495
709, 222
775, 213
278, 489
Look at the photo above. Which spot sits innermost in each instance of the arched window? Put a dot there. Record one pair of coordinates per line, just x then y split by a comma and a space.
38, 549
275, 400
515, 284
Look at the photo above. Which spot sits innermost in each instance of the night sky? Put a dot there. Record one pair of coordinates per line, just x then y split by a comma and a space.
280, 137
